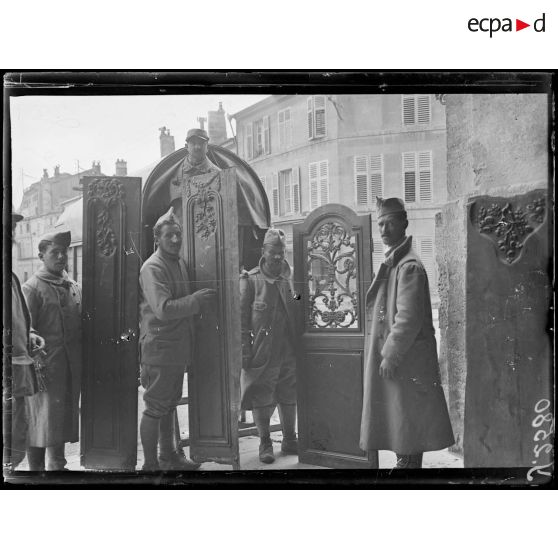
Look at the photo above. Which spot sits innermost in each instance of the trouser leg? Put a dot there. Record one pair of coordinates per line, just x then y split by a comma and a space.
167, 446
149, 434
36, 458
262, 416
19, 431
287, 414
409, 461
56, 458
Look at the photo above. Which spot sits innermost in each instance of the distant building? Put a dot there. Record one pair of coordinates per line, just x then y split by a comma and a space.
348, 149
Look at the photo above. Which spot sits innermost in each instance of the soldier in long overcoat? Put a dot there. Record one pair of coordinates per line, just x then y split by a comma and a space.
404, 408
268, 371
54, 302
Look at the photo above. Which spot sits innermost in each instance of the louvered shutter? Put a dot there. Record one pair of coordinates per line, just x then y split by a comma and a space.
426, 251
285, 190
249, 141
324, 182
409, 176
376, 177
423, 104
425, 176
267, 135
281, 127
408, 109
295, 178
361, 179
275, 195
310, 113
377, 255
320, 115
288, 129
313, 183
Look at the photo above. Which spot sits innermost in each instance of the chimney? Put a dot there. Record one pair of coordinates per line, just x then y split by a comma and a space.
45, 173
57, 170
217, 126
96, 167
166, 142
121, 168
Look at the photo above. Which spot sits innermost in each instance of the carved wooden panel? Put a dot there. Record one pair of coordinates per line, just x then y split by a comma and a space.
111, 217
211, 252
333, 269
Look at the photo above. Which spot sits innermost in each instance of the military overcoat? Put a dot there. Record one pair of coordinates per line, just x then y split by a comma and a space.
55, 306
407, 414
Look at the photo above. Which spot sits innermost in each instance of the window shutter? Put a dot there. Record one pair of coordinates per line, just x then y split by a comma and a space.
423, 103
425, 176
408, 109
409, 176
426, 250
295, 178
281, 127
275, 194
313, 182
376, 177
286, 191
377, 255
361, 179
288, 129
324, 182
249, 141
320, 115
310, 112
267, 136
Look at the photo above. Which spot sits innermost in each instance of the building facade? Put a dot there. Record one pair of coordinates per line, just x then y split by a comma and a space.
348, 149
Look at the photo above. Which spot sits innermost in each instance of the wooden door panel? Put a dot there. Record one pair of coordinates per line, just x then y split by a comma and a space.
333, 269
111, 218
212, 255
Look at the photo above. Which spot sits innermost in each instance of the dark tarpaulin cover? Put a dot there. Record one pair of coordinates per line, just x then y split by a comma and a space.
253, 207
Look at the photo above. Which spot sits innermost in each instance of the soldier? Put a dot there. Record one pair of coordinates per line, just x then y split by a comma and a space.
54, 302
268, 356
404, 408
19, 380
167, 308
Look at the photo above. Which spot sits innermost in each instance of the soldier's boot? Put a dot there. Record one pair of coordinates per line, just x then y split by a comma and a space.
287, 414
56, 458
171, 458
149, 434
262, 415
412, 461
36, 458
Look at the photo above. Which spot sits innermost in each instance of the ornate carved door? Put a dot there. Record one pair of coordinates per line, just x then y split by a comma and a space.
211, 252
333, 271
111, 236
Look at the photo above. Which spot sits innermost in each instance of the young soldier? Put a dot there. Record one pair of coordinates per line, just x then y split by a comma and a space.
54, 302
167, 308
268, 356
404, 409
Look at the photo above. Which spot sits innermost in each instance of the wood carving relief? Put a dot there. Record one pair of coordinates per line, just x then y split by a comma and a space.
509, 226
105, 192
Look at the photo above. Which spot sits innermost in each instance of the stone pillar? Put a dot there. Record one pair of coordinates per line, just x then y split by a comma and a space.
493, 257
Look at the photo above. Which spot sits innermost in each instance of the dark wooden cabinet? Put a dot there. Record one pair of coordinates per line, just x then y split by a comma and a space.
333, 271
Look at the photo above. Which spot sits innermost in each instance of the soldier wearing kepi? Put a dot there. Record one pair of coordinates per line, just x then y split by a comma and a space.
404, 408
268, 337
167, 309
54, 302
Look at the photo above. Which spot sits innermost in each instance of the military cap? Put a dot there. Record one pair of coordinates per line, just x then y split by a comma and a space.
168, 218
389, 206
197, 133
16, 217
275, 236
62, 238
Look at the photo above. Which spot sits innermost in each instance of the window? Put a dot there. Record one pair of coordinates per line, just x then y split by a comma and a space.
257, 141
415, 109
25, 276
369, 178
425, 247
318, 174
285, 129
286, 192
316, 109
417, 176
